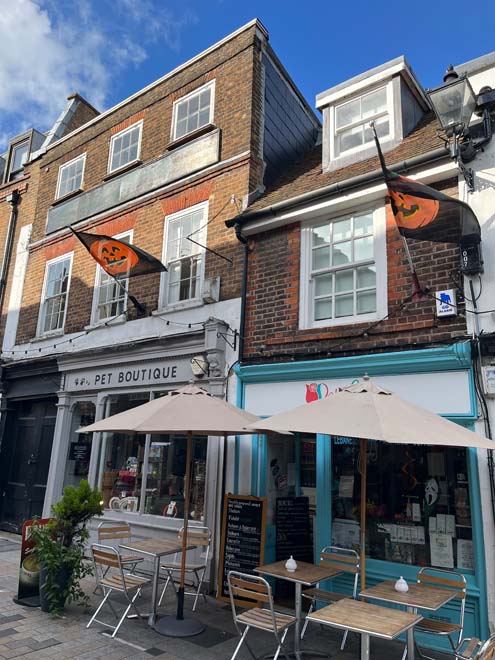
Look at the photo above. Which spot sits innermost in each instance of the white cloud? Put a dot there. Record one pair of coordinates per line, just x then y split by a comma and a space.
52, 48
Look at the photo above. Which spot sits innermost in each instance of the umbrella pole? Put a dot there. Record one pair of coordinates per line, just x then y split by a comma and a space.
179, 626
187, 497
363, 443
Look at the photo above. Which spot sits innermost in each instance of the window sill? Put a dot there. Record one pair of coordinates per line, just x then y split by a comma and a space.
179, 142
177, 307
47, 335
123, 169
107, 323
72, 193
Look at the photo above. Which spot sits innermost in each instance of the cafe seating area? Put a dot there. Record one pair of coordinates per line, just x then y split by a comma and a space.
363, 616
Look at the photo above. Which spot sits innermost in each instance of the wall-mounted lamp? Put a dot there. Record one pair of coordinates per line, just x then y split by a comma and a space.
454, 103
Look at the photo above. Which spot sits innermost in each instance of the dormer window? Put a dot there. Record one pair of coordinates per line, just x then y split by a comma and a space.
389, 95
18, 156
352, 120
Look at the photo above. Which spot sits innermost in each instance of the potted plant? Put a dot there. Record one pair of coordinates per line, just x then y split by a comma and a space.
60, 545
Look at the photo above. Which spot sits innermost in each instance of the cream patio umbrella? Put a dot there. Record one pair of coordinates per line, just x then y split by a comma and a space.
190, 411
367, 411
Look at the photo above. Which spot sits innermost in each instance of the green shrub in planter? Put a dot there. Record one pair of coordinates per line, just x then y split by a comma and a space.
60, 546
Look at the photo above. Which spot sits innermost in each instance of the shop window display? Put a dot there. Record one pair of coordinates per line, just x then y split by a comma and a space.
418, 509
134, 479
79, 450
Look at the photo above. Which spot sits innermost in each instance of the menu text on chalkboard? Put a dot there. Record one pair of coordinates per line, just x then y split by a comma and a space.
243, 538
293, 529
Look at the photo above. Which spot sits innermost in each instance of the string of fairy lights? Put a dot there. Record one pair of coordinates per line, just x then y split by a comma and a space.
52, 346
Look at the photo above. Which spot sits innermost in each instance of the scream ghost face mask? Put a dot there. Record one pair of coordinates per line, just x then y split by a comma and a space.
431, 491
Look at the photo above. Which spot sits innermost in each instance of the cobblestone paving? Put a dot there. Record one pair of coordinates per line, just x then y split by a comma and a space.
31, 634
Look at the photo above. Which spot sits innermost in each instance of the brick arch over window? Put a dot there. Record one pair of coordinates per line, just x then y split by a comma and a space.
186, 199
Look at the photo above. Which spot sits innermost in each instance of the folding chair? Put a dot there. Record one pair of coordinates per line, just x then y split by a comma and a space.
452, 581
117, 531
107, 558
474, 649
344, 561
253, 587
198, 536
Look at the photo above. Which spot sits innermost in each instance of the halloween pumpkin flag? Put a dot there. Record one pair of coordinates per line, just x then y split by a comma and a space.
117, 258
426, 214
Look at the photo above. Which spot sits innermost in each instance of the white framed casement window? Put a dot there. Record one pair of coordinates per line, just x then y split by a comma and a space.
53, 308
344, 270
125, 147
109, 299
351, 120
193, 111
70, 176
183, 283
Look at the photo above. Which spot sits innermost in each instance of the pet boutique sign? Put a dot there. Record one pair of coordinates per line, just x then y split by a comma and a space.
155, 372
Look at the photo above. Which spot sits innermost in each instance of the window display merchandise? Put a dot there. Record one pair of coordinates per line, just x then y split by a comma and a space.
418, 506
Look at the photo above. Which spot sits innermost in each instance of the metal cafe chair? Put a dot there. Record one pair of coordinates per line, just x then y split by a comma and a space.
343, 560
475, 649
452, 581
200, 537
257, 589
110, 577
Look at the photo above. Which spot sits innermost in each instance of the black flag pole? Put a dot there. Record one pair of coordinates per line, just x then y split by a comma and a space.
418, 293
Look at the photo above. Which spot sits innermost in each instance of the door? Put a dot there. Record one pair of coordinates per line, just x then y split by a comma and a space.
26, 456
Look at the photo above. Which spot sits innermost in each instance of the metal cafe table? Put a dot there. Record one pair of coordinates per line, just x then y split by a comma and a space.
419, 596
305, 575
156, 549
366, 619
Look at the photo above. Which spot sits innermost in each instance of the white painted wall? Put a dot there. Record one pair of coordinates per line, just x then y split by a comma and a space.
482, 201
20, 267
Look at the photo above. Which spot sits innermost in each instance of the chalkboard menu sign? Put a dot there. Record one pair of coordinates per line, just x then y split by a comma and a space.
293, 529
243, 539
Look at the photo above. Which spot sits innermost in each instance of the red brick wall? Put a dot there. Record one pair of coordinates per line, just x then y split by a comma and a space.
272, 309
232, 68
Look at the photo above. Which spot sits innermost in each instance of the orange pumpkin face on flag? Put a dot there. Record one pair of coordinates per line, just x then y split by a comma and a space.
412, 212
115, 257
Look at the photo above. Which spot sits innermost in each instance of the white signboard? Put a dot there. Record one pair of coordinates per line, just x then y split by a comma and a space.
442, 392
152, 372
446, 302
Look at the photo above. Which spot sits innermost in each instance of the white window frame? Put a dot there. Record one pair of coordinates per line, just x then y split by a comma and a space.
176, 104
306, 309
334, 150
41, 315
200, 237
98, 275
19, 170
137, 124
65, 166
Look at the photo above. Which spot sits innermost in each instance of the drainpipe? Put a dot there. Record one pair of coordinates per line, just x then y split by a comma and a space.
13, 199
242, 239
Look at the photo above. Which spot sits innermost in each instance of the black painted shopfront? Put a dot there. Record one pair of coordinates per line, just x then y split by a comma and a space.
27, 428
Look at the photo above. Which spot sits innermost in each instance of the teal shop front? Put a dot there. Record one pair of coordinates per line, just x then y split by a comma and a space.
423, 505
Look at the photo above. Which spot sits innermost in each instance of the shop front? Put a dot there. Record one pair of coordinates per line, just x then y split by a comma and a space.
141, 477
423, 503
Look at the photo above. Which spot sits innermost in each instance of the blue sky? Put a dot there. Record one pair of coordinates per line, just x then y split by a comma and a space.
109, 49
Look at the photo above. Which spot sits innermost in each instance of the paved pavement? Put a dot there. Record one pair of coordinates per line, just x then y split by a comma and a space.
30, 633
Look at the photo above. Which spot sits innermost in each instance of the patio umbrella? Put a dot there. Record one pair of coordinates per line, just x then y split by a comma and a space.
367, 411
189, 411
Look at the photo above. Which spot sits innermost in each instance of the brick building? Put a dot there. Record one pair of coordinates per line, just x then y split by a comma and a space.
176, 159
329, 299
18, 198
